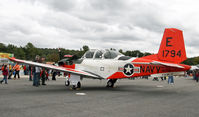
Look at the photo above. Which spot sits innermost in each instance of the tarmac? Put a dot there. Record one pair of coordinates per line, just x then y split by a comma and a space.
130, 98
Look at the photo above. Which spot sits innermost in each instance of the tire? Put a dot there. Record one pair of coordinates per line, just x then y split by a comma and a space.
110, 83
74, 87
67, 83
78, 85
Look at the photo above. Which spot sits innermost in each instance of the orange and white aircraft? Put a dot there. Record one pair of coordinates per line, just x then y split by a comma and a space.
112, 65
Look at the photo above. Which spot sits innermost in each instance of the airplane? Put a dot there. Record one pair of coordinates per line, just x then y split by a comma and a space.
112, 65
194, 67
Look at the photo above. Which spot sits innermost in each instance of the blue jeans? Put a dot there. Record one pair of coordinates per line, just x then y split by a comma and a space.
36, 79
30, 76
5, 78
170, 79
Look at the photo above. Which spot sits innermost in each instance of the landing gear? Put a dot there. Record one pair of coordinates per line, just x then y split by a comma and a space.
76, 87
67, 83
74, 81
111, 83
79, 85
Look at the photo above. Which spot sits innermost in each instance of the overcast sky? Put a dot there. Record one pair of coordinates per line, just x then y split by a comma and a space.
119, 24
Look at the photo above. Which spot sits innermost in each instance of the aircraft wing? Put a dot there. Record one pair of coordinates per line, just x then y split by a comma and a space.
58, 68
160, 63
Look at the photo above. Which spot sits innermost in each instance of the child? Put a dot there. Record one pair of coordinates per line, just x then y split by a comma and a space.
43, 75
5, 74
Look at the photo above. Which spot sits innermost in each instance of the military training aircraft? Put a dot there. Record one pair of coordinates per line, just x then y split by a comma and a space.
112, 65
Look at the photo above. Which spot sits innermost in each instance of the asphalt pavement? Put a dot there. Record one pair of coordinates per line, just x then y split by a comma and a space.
130, 98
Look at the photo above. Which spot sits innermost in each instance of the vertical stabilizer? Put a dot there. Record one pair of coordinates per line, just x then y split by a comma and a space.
172, 48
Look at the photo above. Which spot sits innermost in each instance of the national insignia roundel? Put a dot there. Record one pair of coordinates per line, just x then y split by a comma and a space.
128, 69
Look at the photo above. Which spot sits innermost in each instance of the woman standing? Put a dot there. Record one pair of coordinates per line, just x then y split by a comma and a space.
5, 74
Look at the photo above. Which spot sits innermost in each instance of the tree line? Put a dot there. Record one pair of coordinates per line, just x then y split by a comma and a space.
29, 51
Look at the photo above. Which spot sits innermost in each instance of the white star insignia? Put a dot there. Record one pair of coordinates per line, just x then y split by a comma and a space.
128, 69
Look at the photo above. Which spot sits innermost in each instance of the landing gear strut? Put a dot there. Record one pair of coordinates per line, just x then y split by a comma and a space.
111, 83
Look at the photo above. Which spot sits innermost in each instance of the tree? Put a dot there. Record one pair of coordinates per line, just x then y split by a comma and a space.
121, 51
53, 57
85, 48
128, 53
189, 61
20, 53
3, 47
146, 54
31, 51
11, 49
137, 53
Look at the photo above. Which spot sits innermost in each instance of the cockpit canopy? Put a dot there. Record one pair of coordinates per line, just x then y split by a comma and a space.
102, 54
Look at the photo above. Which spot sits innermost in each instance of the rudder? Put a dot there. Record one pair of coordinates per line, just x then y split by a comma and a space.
172, 48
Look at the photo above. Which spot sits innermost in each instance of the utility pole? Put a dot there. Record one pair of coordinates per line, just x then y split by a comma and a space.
59, 50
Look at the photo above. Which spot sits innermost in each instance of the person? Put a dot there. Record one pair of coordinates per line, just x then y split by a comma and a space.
34, 76
30, 73
24, 69
36, 73
43, 76
194, 75
37, 76
54, 73
170, 79
162, 78
155, 79
17, 70
2, 67
197, 76
5, 74
10, 71
47, 71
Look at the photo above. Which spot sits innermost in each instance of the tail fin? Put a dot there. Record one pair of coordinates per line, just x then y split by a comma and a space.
172, 48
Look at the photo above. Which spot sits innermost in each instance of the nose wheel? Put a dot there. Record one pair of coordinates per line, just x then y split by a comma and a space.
111, 83
67, 83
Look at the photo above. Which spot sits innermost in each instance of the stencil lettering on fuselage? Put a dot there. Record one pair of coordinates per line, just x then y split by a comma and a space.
150, 69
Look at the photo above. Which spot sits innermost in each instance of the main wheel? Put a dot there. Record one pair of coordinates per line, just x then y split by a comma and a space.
78, 85
74, 87
110, 83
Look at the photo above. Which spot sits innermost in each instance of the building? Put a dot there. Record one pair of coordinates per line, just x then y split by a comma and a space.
4, 58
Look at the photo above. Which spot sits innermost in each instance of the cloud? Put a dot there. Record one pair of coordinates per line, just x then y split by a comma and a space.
120, 24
